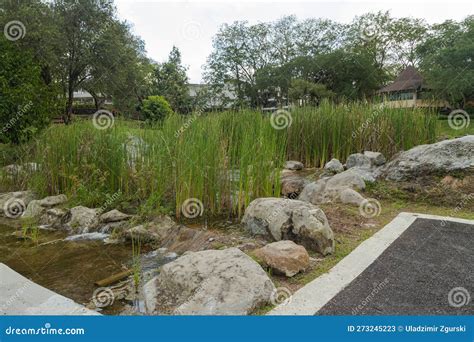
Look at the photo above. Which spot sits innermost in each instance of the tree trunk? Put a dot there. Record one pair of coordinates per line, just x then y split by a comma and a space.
70, 98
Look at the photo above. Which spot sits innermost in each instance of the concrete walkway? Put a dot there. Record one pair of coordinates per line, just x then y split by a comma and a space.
21, 296
333, 293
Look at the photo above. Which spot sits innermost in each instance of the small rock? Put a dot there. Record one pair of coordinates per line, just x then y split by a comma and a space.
376, 158
113, 216
293, 165
53, 201
349, 196
285, 257
83, 219
358, 160
334, 166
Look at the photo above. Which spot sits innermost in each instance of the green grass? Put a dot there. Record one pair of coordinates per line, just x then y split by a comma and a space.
158, 168
445, 131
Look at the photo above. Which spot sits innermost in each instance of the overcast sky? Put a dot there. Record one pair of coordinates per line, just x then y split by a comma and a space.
190, 25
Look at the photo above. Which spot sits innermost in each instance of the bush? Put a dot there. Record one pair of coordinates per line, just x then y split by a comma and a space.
156, 108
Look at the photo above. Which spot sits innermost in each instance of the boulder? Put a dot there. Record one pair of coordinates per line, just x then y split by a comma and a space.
350, 196
284, 257
163, 231
293, 165
285, 219
333, 166
83, 220
214, 282
346, 179
366, 174
55, 217
376, 158
314, 192
37, 208
53, 201
358, 160
441, 158
33, 210
113, 216
291, 186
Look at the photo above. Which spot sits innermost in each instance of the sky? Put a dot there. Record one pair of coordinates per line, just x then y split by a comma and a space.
190, 25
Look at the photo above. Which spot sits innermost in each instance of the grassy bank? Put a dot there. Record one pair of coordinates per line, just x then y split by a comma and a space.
223, 160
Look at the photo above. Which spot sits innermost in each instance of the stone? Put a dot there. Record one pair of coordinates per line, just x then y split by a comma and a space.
346, 179
83, 220
350, 196
285, 219
34, 210
314, 192
163, 231
284, 257
113, 216
441, 158
292, 186
213, 282
56, 217
333, 166
366, 174
376, 158
358, 160
293, 165
53, 201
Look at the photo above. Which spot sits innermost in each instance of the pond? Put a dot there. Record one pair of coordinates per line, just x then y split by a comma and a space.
70, 268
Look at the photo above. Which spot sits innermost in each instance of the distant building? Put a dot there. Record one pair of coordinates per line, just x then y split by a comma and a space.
84, 97
210, 99
409, 90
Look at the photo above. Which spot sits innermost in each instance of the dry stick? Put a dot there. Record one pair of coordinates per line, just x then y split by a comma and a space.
113, 278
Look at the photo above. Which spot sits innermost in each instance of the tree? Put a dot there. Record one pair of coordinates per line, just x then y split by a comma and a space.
26, 102
448, 61
156, 109
171, 82
308, 93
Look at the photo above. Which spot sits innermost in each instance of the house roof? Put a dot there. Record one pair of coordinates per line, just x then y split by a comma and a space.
409, 79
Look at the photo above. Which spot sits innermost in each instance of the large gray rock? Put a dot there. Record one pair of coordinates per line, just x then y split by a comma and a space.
214, 282
37, 208
284, 257
314, 192
346, 179
455, 155
333, 166
358, 160
285, 219
376, 158
83, 220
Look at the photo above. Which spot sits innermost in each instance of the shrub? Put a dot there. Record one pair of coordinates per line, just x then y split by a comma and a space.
156, 108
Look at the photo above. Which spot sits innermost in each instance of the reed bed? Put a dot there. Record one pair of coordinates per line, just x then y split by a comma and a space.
221, 161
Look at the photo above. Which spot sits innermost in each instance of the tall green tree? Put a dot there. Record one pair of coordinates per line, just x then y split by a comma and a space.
170, 80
